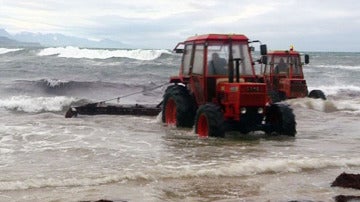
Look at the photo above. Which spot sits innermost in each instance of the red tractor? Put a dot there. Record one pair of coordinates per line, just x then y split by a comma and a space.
218, 91
282, 72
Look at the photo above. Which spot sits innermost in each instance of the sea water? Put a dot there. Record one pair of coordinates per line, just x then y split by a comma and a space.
45, 157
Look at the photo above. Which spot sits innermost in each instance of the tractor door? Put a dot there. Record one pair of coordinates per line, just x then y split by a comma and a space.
197, 82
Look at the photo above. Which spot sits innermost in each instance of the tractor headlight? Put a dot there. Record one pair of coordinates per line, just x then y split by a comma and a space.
260, 110
243, 110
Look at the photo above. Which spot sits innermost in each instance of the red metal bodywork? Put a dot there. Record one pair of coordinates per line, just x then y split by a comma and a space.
234, 96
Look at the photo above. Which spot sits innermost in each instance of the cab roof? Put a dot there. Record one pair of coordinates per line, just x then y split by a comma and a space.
217, 37
283, 52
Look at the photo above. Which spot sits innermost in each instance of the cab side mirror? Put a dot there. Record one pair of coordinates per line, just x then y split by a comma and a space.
263, 49
307, 59
179, 50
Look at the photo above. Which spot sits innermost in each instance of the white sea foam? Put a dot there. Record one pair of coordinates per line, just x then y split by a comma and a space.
235, 169
352, 106
8, 50
260, 166
347, 67
334, 89
36, 104
75, 52
54, 82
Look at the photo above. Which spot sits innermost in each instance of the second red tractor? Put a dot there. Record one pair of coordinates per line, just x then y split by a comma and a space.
282, 71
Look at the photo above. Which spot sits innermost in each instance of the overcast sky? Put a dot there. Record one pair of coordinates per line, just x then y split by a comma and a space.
312, 25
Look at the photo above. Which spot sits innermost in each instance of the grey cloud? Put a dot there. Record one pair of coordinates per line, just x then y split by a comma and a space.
312, 25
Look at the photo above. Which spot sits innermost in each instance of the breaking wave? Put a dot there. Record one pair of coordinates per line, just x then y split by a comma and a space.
339, 89
56, 84
62, 87
8, 50
36, 104
76, 52
236, 169
346, 67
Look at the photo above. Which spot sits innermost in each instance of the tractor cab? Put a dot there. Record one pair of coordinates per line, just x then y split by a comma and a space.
212, 59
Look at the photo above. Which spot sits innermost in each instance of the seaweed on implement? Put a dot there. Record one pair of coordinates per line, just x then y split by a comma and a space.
100, 108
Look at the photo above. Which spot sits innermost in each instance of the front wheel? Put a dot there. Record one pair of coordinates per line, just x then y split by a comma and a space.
317, 94
281, 119
209, 121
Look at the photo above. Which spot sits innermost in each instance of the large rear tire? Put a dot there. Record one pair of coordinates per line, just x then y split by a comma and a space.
281, 119
178, 107
317, 94
209, 121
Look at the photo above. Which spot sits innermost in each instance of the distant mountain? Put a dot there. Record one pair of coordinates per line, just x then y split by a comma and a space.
6, 42
4, 33
61, 40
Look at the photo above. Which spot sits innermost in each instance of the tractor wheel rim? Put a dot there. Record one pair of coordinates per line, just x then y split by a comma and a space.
170, 112
203, 128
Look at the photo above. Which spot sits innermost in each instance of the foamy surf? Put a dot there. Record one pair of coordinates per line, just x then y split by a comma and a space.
236, 169
337, 89
9, 50
53, 82
268, 165
36, 104
345, 67
76, 52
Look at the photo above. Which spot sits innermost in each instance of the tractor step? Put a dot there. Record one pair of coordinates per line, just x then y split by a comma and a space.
100, 108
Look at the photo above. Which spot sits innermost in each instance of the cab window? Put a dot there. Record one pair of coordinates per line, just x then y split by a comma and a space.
241, 51
281, 65
198, 66
217, 59
295, 62
187, 59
